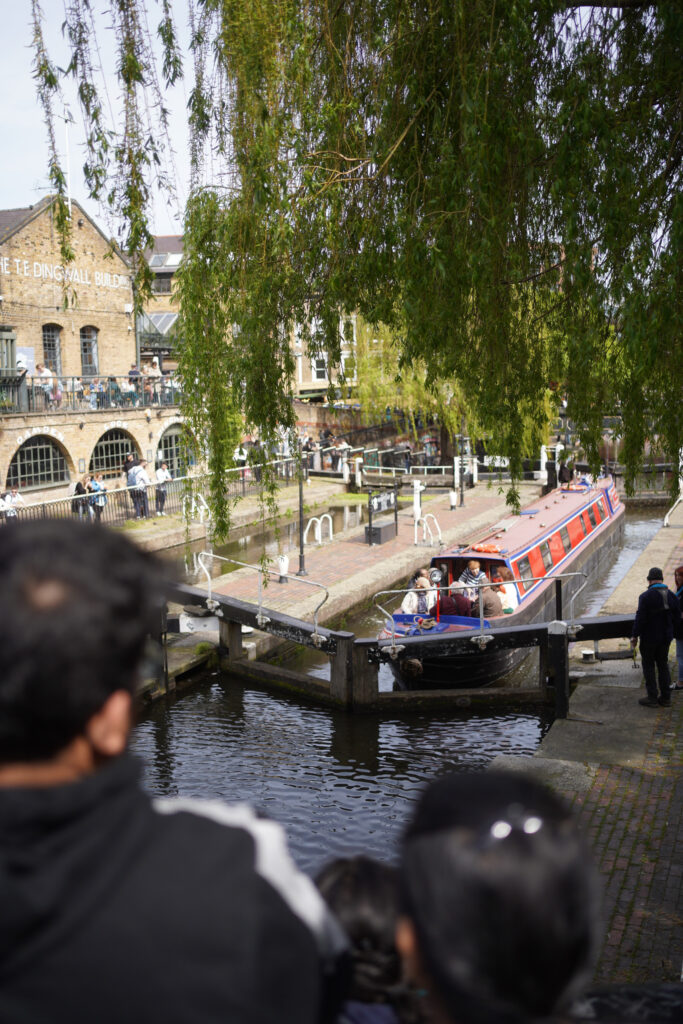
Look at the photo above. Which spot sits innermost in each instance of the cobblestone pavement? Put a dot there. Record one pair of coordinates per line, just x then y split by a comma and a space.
633, 819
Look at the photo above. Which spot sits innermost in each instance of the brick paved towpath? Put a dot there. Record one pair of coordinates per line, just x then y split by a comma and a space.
621, 767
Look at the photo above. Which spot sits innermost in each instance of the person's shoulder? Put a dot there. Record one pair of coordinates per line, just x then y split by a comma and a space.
256, 845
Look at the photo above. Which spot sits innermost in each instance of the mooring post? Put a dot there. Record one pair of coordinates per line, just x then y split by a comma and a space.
558, 653
341, 671
558, 599
230, 636
364, 678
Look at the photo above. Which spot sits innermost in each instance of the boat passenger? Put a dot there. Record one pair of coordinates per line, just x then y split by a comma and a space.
421, 599
456, 601
473, 574
500, 900
507, 590
491, 604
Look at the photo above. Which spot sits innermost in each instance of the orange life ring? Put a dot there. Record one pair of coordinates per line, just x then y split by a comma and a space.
488, 549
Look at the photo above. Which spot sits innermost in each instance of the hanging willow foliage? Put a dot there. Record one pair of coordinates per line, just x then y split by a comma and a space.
497, 184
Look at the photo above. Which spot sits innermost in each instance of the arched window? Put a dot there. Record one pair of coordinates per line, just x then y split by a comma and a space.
89, 361
110, 452
173, 451
52, 348
38, 463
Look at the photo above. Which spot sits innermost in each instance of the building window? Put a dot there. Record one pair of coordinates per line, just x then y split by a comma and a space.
89, 352
109, 454
173, 451
38, 463
162, 284
52, 348
320, 368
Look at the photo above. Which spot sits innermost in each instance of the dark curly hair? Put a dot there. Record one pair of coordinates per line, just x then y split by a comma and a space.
77, 603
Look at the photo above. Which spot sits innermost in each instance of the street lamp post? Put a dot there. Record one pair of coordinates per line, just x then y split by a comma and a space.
302, 562
462, 461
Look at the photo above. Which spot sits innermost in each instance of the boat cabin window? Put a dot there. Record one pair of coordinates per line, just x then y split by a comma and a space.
546, 555
583, 524
591, 516
599, 510
524, 568
564, 537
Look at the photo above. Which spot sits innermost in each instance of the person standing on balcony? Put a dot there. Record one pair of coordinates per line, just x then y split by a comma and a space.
45, 382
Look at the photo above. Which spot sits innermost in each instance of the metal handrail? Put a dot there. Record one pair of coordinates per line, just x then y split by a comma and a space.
673, 508
426, 529
261, 619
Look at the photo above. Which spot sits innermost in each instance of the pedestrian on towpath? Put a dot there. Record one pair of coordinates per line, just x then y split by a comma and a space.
658, 609
114, 906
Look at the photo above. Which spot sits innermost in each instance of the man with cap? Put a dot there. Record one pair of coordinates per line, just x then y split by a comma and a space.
658, 609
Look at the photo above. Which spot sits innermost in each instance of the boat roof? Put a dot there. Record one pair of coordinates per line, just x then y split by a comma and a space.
543, 516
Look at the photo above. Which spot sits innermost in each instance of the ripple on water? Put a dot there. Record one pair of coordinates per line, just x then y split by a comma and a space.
339, 784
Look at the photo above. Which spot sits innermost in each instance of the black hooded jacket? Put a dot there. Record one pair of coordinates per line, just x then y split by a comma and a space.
117, 908
657, 611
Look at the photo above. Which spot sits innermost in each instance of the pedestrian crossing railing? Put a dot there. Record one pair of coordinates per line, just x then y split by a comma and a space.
262, 620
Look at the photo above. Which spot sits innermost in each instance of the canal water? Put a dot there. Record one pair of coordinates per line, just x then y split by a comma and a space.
339, 784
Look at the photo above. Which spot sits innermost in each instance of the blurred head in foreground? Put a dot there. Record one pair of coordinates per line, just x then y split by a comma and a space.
76, 605
363, 895
500, 900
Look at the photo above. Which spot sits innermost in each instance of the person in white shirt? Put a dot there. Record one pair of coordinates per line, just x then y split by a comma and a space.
142, 482
421, 599
507, 590
163, 476
13, 501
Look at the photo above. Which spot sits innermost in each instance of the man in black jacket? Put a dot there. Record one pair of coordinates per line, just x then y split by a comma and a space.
653, 624
115, 907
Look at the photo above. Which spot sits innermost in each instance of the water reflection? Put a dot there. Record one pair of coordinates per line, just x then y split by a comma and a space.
338, 783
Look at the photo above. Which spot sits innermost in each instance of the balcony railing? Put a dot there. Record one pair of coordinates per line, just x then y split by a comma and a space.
83, 394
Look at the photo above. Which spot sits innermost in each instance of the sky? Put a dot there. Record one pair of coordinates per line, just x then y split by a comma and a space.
23, 169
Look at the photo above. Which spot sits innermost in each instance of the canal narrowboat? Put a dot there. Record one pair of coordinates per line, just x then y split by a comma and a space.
567, 533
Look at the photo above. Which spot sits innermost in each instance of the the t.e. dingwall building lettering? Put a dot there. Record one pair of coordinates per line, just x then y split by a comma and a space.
92, 331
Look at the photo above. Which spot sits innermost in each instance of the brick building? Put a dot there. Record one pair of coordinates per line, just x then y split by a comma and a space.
81, 414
